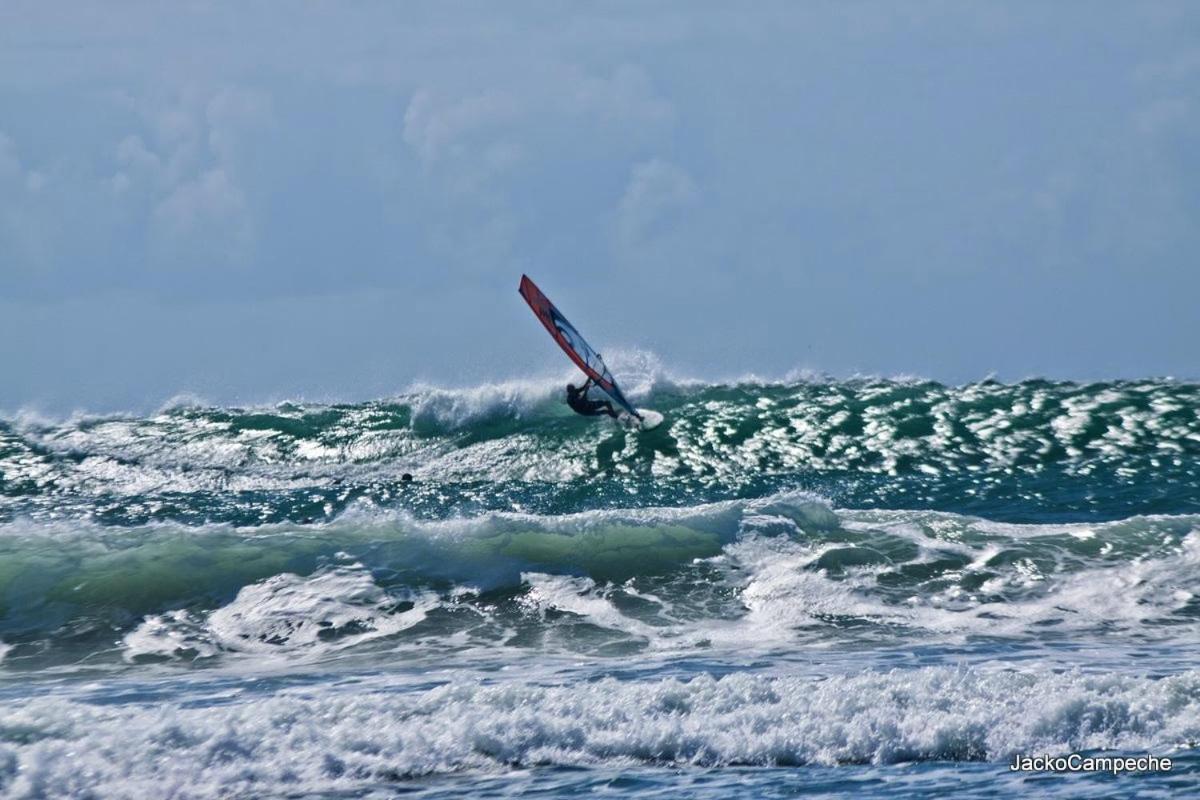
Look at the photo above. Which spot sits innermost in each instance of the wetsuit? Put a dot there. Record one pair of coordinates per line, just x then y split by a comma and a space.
578, 400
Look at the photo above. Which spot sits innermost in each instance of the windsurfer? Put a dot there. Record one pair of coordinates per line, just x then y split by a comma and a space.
579, 402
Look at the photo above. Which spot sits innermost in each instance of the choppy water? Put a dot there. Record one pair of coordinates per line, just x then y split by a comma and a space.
870, 587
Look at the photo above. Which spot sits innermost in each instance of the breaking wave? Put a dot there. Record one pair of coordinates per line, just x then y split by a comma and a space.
365, 734
767, 574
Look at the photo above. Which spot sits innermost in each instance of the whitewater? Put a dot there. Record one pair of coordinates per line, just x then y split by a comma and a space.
867, 587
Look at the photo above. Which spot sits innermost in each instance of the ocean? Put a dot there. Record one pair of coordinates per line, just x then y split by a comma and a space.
814, 587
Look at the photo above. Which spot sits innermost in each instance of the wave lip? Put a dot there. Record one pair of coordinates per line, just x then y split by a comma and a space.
329, 739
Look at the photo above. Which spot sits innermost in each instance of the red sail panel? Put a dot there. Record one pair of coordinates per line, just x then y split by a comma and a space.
572, 342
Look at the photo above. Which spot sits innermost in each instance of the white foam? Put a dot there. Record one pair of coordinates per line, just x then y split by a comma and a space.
1086, 595
462, 406
788, 600
285, 614
581, 598
326, 739
169, 635
641, 373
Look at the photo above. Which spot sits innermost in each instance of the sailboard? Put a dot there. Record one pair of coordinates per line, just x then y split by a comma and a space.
574, 345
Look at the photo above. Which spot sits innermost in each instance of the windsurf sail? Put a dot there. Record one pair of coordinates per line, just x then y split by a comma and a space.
573, 343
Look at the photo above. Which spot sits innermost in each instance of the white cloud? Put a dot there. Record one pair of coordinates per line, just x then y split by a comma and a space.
626, 97
206, 215
133, 154
196, 132
175, 124
493, 149
435, 127
186, 178
11, 167
438, 125
230, 114
210, 195
656, 192
23, 245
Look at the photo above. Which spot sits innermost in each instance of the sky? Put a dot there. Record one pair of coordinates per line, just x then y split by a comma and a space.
248, 202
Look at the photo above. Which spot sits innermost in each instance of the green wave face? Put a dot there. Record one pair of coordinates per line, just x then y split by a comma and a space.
779, 572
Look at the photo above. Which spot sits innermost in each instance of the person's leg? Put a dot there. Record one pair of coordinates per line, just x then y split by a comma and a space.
597, 407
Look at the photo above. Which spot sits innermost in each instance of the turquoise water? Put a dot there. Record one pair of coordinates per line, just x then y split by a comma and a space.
881, 588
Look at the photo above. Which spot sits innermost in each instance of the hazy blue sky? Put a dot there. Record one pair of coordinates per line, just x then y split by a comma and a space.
257, 201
